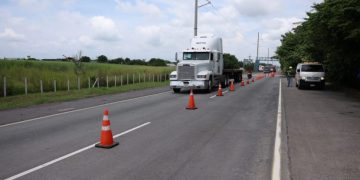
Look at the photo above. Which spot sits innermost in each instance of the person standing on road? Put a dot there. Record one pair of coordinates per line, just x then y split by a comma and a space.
289, 76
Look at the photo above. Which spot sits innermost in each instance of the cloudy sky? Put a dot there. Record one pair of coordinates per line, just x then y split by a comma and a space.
141, 28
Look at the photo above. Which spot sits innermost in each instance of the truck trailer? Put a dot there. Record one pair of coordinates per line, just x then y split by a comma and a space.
202, 66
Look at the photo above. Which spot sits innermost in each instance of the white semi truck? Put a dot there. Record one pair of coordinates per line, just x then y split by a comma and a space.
202, 66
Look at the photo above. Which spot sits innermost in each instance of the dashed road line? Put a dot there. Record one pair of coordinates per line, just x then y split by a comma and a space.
70, 154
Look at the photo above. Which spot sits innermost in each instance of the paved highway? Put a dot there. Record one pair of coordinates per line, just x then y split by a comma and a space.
229, 137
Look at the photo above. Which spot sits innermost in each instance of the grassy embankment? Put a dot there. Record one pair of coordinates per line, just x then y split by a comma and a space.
16, 71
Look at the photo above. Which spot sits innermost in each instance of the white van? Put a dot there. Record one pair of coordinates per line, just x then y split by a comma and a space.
310, 75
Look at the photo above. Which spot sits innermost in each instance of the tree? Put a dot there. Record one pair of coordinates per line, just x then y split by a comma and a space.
102, 59
330, 35
231, 62
157, 62
85, 59
79, 68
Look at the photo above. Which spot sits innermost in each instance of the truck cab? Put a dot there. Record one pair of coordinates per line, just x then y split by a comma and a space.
201, 66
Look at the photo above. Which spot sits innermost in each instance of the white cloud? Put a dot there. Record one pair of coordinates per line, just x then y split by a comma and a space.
254, 8
105, 28
10, 35
278, 26
139, 6
33, 5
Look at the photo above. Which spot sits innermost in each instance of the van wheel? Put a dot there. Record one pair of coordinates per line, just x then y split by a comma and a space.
176, 90
300, 86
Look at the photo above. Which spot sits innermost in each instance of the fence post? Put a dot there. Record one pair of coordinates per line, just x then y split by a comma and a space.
133, 81
26, 86
115, 80
78, 82
107, 81
89, 82
4, 86
98, 83
41, 87
153, 77
127, 78
54, 85
139, 78
121, 80
68, 85
144, 77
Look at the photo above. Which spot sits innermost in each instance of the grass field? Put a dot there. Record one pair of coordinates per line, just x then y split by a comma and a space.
15, 73
37, 98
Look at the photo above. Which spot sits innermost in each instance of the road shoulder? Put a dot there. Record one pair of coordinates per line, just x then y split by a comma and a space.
20, 114
323, 134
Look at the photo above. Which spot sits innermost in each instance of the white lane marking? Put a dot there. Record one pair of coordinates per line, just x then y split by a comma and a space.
70, 154
77, 110
212, 96
276, 166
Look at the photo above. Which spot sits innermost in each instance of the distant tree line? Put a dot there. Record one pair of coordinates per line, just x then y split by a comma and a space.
329, 35
104, 59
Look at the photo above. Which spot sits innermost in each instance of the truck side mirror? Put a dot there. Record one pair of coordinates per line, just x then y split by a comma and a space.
298, 70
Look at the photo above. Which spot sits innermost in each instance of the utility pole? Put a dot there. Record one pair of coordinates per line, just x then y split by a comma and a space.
196, 14
257, 61
257, 48
196, 17
268, 57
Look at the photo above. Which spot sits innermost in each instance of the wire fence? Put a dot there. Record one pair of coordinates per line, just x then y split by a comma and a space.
15, 86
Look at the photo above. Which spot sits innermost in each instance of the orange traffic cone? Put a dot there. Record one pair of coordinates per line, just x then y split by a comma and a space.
219, 91
106, 139
232, 87
242, 83
191, 104
247, 82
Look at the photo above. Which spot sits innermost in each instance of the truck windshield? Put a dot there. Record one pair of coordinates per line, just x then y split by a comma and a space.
196, 56
312, 68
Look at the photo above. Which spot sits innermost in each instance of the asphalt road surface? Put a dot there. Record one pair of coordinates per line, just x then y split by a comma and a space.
229, 137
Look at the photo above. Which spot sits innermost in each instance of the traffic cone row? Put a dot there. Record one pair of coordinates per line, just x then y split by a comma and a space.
232, 87
242, 83
219, 91
106, 137
191, 104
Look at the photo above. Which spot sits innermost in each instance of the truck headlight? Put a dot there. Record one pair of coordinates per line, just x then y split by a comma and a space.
322, 78
201, 76
303, 77
172, 76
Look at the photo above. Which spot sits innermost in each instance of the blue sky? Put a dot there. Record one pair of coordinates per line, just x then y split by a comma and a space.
141, 28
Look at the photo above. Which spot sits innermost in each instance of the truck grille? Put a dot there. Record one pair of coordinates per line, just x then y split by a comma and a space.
186, 72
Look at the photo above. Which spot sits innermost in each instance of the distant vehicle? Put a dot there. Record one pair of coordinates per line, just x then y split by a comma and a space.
202, 66
310, 75
261, 68
272, 69
267, 69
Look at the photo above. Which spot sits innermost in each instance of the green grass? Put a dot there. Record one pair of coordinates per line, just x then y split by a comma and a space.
49, 97
15, 72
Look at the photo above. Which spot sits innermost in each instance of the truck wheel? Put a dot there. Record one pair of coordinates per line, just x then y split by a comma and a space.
176, 90
210, 85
